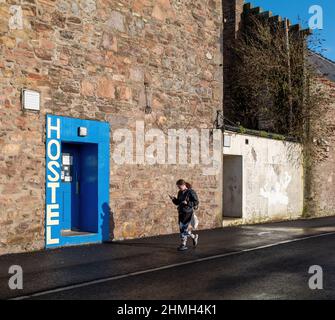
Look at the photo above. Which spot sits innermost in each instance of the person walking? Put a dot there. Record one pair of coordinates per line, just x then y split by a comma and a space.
186, 201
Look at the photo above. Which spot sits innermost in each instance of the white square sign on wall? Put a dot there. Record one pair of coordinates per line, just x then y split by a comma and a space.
31, 100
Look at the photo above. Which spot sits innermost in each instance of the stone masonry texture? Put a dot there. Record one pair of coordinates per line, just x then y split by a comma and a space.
90, 59
322, 198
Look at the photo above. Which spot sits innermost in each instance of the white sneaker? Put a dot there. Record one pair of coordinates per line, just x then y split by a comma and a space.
195, 240
182, 247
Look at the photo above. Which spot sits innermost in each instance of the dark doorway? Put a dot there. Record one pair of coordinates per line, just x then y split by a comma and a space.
232, 186
79, 187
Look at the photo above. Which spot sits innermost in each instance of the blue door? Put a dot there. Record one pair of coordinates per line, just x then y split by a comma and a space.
71, 186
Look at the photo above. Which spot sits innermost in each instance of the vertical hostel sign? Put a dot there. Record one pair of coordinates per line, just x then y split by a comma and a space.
53, 177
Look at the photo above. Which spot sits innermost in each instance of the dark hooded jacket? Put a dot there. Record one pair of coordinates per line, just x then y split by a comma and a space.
186, 210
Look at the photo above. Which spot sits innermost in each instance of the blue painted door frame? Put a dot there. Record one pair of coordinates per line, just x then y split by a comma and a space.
83, 203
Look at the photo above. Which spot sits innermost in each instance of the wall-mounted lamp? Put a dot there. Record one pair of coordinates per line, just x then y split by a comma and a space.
148, 108
82, 131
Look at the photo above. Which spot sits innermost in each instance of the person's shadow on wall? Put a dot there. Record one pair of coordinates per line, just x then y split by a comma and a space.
108, 224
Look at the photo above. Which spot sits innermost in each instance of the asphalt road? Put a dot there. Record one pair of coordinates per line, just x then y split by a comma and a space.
253, 262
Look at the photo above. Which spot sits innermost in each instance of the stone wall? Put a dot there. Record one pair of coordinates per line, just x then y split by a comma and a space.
232, 15
90, 59
321, 199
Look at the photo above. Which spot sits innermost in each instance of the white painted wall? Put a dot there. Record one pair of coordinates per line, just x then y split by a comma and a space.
272, 183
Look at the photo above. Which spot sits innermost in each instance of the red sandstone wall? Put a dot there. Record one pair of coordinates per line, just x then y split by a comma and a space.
89, 59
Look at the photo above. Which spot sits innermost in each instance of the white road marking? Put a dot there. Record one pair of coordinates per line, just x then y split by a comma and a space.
170, 266
263, 233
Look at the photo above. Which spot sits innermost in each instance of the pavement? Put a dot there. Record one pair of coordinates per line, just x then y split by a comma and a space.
266, 261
